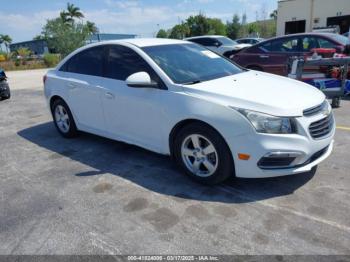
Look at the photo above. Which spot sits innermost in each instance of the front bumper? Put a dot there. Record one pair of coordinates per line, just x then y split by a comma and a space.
312, 151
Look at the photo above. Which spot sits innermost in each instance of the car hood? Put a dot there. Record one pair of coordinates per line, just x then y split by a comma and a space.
262, 92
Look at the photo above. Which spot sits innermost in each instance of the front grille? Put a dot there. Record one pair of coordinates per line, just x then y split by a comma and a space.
321, 127
315, 110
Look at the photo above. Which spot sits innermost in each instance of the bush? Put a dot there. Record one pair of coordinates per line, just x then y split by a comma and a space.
51, 60
2, 58
17, 65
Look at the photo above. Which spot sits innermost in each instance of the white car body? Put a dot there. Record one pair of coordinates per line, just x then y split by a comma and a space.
222, 48
146, 116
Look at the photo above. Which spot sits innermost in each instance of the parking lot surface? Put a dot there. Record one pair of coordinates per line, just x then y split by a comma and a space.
91, 195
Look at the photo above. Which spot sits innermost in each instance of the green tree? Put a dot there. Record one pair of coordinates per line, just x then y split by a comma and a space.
39, 37
198, 25
216, 27
233, 27
64, 38
273, 15
253, 28
6, 40
162, 34
91, 27
73, 11
23, 52
179, 31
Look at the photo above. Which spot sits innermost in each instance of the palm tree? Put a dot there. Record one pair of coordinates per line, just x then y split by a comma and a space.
73, 11
91, 27
65, 19
7, 40
273, 15
1, 42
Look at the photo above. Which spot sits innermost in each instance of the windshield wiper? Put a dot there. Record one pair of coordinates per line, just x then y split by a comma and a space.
192, 82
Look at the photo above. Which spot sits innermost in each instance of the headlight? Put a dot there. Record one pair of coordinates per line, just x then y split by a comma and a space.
264, 123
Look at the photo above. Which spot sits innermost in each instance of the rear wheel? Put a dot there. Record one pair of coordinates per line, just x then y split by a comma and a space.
63, 119
203, 154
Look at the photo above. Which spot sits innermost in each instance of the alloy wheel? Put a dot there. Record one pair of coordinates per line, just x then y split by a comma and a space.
62, 119
199, 155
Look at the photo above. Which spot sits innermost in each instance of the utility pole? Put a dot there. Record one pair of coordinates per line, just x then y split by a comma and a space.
311, 15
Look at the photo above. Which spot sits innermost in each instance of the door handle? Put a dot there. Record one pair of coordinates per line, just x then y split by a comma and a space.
264, 56
109, 95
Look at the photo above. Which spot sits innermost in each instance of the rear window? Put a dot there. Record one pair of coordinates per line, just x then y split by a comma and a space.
340, 39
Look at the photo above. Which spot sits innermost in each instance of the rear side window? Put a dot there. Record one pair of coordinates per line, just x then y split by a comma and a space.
204, 41
282, 45
122, 62
87, 62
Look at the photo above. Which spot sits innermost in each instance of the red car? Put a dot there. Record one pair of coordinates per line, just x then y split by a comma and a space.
272, 55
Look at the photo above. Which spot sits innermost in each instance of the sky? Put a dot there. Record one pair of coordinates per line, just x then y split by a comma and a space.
23, 19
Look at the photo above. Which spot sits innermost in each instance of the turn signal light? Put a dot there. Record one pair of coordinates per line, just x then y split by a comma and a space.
243, 156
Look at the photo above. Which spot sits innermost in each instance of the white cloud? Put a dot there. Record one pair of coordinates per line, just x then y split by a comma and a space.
122, 4
135, 16
24, 27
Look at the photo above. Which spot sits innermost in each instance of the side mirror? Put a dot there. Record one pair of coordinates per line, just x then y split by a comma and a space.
217, 44
140, 79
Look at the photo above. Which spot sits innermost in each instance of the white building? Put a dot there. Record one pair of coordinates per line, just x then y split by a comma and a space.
298, 16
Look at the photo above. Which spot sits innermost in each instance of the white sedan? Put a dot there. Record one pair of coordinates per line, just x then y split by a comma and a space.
177, 98
219, 44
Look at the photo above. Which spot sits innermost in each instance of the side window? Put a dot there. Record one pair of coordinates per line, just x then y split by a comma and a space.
87, 62
197, 41
211, 41
282, 45
309, 43
324, 43
123, 62
204, 41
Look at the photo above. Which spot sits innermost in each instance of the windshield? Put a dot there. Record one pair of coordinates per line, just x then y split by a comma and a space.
227, 41
340, 38
190, 63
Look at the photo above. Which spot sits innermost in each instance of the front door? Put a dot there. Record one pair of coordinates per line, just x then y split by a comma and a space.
132, 114
275, 54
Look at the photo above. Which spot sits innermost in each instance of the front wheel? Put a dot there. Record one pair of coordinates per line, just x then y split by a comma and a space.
203, 154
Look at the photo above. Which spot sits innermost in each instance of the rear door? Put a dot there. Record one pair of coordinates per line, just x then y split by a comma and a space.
83, 77
275, 54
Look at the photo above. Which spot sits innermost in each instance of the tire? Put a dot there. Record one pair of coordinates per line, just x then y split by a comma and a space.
63, 119
336, 102
8, 96
211, 167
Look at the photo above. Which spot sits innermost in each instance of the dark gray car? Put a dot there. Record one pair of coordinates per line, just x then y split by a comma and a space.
4, 86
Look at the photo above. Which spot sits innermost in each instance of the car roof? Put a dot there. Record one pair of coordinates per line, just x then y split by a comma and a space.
143, 42
204, 36
257, 38
329, 35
